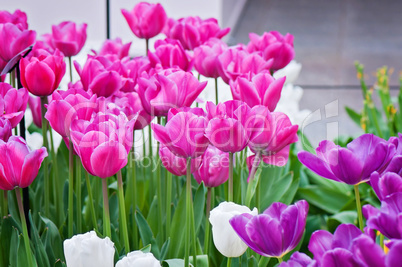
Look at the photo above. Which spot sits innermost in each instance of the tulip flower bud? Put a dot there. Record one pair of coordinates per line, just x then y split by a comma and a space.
69, 38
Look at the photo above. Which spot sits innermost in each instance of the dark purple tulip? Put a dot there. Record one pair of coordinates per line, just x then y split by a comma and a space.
276, 231
388, 219
299, 260
367, 253
352, 165
386, 184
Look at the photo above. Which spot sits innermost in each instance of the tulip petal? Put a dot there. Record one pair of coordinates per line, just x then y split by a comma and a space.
108, 158
320, 242
31, 166
344, 235
338, 258
316, 164
367, 252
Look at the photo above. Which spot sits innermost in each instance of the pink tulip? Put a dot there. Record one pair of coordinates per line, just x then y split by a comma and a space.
67, 106
194, 31
160, 93
18, 18
130, 104
235, 62
214, 167
17, 38
273, 45
114, 48
19, 164
44, 43
183, 134
170, 53
136, 67
41, 75
261, 89
69, 38
174, 164
271, 135
227, 125
146, 20
100, 75
36, 110
103, 143
13, 103
5, 129
206, 57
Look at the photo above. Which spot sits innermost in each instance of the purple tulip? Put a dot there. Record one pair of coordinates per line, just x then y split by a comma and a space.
174, 164
13, 103
275, 46
19, 165
388, 219
163, 92
5, 129
276, 231
146, 20
194, 31
183, 134
352, 165
18, 39
227, 128
386, 184
170, 53
394, 255
214, 167
18, 18
69, 38
105, 138
299, 260
206, 57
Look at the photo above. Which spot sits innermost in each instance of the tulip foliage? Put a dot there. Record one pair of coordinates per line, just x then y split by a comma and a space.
145, 176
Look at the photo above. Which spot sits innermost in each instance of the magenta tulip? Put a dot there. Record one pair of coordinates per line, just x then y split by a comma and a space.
41, 75
17, 38
183, 134
18, 164
69, 38
5, 129
275, 46
299, 259
160, 93
214, 167
235, 62
175, 164
107, 138
227, 125
206, 57
170, 53
18, 18
114, 48
386, 184
136, 67
13, 103
261, 89
146, 20
194, 31
36, 110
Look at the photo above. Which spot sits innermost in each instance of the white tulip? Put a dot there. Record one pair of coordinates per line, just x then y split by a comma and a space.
225, 238
88, 250
138, 259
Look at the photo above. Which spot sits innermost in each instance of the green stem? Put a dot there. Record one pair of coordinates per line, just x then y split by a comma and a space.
280, 259
70, 65
91, 202
230, 182
70, 189
150, 156
106, 222
168, 201
193, 237
207, 225
43, 101
134, 196
359, 207
254, 168
122, 209
146, 46
78, 193
159, 184
216, 91
56, 179
229, 262
4, 202
188, 213
24, 227
263, 261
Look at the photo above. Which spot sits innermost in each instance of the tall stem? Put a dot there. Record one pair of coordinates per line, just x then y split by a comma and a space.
193, 236
216, 91
91, 202
4, 198
188, 213
230, 182
207, 225
229, 263
78, 193
146, 46
70, 189
134, 196
106, 222
168, 201
43, 101
122, 209
24, 228
359, 207
159, 187
70, 65
252, 174
56, 179
150, 155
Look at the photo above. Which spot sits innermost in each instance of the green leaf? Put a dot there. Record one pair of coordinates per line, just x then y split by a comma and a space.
173, 263
146, 249
202, 260
8, 224
273, 188
53, 242
177, 227
144, 229
40, 252
356, 117
346, 217
165, 249
199, 204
